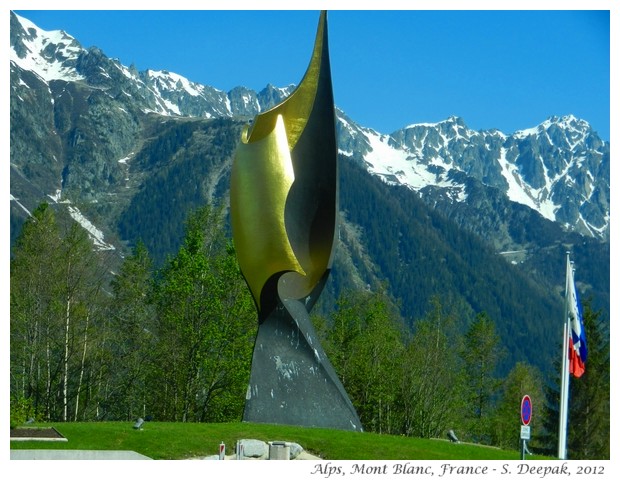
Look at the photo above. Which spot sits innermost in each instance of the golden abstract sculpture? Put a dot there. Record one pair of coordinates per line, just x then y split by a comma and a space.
283, 202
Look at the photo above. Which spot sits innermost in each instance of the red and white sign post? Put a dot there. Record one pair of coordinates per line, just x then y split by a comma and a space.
526, 417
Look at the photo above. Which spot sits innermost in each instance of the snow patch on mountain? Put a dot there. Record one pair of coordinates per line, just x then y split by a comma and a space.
402, 166
124, 160
395, 165
95, 234
549, 168
49, 54
173, 81
559, 168
518, 192
18, 203
56, 196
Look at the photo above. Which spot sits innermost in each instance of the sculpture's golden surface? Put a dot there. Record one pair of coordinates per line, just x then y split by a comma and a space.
283, 204
261, 179
283, 177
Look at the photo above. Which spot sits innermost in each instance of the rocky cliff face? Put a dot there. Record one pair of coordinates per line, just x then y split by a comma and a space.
75, 98
127, 154
559, 168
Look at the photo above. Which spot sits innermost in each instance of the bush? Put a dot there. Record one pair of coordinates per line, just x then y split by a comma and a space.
21, 410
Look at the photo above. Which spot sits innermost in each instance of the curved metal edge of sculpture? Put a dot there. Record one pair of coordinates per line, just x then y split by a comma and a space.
283, 204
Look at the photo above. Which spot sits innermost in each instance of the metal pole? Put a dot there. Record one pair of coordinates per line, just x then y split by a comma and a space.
563, 427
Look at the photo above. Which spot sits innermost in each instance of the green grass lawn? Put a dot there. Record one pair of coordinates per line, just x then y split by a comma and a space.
168, 440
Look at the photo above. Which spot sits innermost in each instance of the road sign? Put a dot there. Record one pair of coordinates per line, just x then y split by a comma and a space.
526, 410
525, 432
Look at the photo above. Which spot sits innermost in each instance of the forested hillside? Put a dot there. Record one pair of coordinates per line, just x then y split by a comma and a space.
126, 298
421, 254
188, 165
388, 238
175, 344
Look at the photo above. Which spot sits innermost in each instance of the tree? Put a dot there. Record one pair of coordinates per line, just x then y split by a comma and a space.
206, 327
75, 314
82, 276
481, 353
56, 302
364, 344
34, 313
589, 397
131, 344
522, 380
588, 400
431, 385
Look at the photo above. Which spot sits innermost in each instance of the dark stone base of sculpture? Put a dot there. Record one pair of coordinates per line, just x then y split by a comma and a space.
292, 380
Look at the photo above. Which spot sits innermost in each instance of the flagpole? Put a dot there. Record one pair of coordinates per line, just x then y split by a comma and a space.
563, 433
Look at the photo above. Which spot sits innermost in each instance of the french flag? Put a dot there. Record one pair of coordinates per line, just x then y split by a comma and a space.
577, 349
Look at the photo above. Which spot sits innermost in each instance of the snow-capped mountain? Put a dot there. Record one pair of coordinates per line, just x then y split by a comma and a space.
61, 89
434, 210
55, 55
559, 168
51, 55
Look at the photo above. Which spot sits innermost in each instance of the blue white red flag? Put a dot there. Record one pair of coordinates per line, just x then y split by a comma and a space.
577, 349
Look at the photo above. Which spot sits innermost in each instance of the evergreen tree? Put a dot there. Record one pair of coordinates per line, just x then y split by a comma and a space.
589, 397
549, 436
481, 353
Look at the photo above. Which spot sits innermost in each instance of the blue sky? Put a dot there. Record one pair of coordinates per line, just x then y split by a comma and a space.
509, 69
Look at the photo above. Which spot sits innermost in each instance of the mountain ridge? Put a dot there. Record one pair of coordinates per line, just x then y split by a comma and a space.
128, 153
545, 177
541, 166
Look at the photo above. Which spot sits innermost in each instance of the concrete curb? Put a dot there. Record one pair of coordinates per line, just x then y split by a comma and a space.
76, 455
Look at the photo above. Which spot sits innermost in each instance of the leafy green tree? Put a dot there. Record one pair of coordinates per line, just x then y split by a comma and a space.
364, 344
34, 312
431, 384
207, 324
341, 334
56, 306
80, 296
482, 351
131, 341
523, 379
